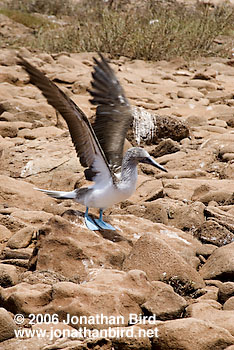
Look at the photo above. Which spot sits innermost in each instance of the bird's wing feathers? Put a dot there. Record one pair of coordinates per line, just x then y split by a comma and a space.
84, 139
113, 113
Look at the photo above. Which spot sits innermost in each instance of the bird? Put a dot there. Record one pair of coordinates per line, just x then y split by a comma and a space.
99, 146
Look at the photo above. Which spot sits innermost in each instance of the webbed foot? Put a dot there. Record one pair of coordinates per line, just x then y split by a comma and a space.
89, 222
104, 225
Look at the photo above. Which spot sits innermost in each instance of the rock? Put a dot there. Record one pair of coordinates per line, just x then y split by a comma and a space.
150, 80
212, 232
229, 304
222, 111
171, 127
230, 210
230, 123
124, 291
149, 128
203, 101
221, 96
47, 132
11, 223
63, 245
66, 77
222, 217
228, 171
155, 212
36, 115
207, 74
187, 216
215, 283
21, 239
41, 163
147, 191
160, 262
217, 122
191, 334
217, 196
211, 311
26, 298
7, 253
5, 145
18, 257
220, 265
136, 342
164, 303
165, 147
26, 218
33, 217
34, 343
189, 93
206, 250
12, 189
62, 336
8, 275
226, 291
181, 215
6, 56
228, 157
202, 84
196, 120
183, 243
89, 343
7, 76
5, 234
67, 61
24, 108
81, 86
7, 325
194, 189
210, 293
229, 148
51, 326
182, 174
8, 129
46, 277
64, 179
183, 73
46, 57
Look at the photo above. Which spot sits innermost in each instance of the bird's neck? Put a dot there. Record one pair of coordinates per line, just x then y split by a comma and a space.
129, 170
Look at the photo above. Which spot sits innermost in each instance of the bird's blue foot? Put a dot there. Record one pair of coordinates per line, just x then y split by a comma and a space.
89, 222
104, 225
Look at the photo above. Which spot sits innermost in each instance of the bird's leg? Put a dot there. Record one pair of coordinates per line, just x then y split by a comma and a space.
102, 224
89, 222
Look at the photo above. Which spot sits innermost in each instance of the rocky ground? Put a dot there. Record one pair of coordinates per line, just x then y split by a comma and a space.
172, 255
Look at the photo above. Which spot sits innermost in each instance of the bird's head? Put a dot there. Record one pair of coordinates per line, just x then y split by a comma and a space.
140, 155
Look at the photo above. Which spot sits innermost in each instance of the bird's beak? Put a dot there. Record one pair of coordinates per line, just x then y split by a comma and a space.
151, 161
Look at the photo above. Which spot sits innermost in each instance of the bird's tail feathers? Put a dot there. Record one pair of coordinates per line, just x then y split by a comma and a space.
59, 194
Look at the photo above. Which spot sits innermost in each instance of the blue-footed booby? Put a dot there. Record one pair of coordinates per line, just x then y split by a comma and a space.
98, 146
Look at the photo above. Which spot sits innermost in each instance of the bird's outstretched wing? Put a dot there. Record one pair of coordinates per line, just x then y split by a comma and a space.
113, 113
84, 139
